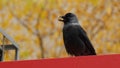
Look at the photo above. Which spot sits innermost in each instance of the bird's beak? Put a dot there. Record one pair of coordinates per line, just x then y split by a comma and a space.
61, 18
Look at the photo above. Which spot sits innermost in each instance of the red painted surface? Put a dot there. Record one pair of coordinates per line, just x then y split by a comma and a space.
108, 61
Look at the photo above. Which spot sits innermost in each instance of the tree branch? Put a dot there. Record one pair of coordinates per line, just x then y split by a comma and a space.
35, 32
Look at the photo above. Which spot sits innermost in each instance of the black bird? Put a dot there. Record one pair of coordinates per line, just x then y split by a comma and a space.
75, 38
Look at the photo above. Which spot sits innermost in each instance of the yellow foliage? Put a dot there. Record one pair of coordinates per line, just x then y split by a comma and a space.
94, 2
5, 24
18, 37
108, 46
109, 10
43, 14
21, 19
100, 50
10, 16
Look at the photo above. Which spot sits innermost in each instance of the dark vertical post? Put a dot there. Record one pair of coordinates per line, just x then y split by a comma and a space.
13, 46
16, 54
1, 55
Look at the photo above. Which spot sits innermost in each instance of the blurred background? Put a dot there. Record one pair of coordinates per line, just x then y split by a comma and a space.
34, 25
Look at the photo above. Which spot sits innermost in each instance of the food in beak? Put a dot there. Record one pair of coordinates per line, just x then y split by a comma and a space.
61, 18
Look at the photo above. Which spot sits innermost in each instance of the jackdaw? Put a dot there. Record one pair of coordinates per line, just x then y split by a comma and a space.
75, 38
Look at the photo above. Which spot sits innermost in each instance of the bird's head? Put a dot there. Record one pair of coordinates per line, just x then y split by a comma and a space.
68, 18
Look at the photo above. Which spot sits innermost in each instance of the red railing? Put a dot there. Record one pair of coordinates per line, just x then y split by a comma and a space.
108, 61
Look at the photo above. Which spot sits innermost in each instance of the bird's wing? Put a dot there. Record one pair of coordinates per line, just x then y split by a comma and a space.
83, 36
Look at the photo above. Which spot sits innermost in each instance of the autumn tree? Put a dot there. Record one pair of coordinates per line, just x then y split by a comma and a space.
34, 25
